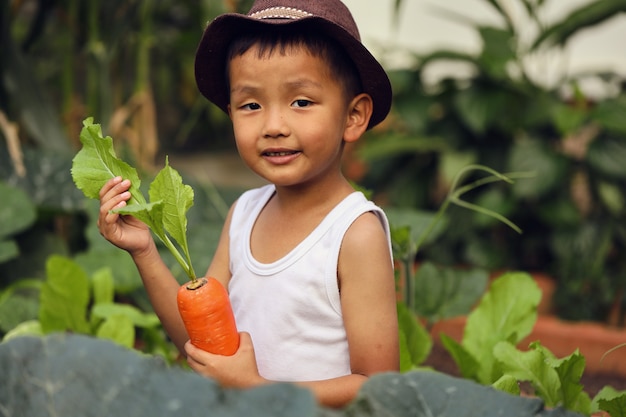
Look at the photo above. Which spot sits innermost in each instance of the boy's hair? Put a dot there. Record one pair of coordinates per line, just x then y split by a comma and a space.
281, 41
326, 21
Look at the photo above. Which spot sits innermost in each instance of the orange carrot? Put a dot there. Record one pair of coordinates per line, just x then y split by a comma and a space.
208, 316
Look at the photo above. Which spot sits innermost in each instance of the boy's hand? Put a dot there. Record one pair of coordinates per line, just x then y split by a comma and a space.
236, 371
125, 232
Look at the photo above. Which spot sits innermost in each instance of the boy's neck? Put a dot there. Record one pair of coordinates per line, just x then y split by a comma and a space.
303, 197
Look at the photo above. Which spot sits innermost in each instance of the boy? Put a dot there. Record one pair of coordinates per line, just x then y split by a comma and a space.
306, 259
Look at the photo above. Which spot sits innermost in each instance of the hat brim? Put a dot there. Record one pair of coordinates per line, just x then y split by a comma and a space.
211, 54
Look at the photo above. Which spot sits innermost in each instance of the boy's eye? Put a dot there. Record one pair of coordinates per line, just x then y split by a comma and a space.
301, 103
251, 106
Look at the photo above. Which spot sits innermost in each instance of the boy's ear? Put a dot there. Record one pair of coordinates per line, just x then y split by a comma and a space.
230, 115
359, 114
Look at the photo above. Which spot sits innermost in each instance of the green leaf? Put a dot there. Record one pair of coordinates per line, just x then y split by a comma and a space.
73, 375
401, 243
615, 407
17, 308
535, 157
103, 286
607, 156
125, 275
453, 162
49, 182
612, 196
64, 297
447, 292
496, 200
497, 51
399, 144
119, 329
507, 312
416, 342
96, 163
27, 328
177, 200
149, 213
136, 316
590, 14
23, 284
91, 377
507, 383
610, 114
17, 212
465, 361
482, 108
530, 366
611, 401
429, 394
418, 222
8, 250
567, 119
570, 371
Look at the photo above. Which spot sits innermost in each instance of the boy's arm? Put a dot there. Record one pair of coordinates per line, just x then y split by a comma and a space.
130, 234
162, 287
368, 302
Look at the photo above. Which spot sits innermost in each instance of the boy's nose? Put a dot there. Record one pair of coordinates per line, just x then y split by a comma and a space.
275, 124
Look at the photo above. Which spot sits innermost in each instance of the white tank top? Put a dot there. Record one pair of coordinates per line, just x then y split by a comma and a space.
291, 307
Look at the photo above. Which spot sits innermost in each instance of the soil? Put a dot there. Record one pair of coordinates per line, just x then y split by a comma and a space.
593, 382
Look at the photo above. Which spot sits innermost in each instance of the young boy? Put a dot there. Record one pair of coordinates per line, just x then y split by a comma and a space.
306, 259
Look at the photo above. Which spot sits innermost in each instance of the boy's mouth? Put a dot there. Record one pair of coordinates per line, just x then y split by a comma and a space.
279, 153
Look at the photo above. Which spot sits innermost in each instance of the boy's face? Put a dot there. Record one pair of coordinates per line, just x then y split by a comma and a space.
289, 115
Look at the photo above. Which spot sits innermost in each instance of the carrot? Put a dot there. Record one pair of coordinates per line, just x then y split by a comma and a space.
208, 316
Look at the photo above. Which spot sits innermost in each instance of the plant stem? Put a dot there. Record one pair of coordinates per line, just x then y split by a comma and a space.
187, 267
455, 193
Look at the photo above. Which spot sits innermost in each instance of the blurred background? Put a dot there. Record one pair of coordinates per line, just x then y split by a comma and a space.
530, 88
427, 25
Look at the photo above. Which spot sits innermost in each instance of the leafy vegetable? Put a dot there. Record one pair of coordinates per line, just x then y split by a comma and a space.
64, 297
70, 301
488, 352
507, 312
16, 214
165, 214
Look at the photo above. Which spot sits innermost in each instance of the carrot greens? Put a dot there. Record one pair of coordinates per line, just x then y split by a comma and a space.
170, 199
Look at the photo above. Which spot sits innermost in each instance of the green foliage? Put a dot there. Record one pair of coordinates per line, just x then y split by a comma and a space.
503, 117
71, 301
548, 376
16, 213
64, 297
488, 352
507, 312
442, 292
17, 304
611, 401
96, 163
415, 341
